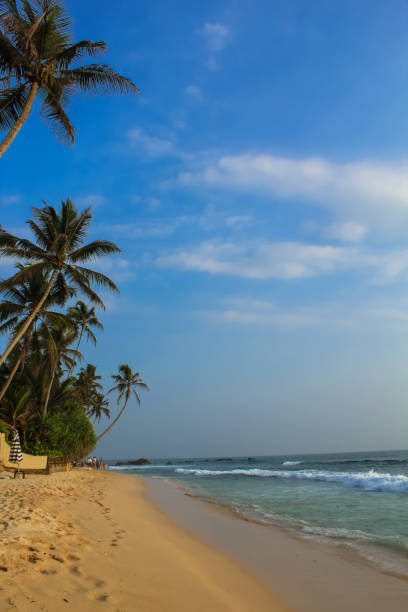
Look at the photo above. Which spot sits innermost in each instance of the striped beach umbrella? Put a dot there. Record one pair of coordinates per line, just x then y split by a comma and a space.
16, 456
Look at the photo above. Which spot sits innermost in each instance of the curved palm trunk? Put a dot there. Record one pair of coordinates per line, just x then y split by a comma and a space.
12, 374
77, 349
47, 398
30, 319
9, 139
113, 423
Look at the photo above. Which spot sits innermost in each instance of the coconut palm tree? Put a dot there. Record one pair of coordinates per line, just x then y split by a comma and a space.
99, 407
22, 299
57, 341
13, 407
87, 385
84, 318
58, 250
38, 58
127, 383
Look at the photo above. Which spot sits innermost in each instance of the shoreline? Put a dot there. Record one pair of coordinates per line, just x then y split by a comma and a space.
354, 551
310, 574
89, 541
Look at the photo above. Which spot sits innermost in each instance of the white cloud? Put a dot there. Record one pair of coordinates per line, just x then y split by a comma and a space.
348, 232
248, 311
216, 36
7, 200
261, 260
286, 260
365, 193
117, 268
238, 220
91, 199
157, 229
193, 92
150, 145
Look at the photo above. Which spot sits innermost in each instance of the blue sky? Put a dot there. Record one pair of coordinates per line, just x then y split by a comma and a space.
258, 188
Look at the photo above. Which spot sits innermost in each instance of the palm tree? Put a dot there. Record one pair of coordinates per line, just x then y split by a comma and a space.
84, 318
14, 311
87, 384
13, 407
126, 383
38, 58
99, 407
59, 247
56, 341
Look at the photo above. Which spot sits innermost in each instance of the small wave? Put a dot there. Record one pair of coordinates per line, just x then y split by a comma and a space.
138, 467
337, 533
378, 460
369, 481
291, 462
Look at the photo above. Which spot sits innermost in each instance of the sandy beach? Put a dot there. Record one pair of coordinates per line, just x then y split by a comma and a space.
90, 541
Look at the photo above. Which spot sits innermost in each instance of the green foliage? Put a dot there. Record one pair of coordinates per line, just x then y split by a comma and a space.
4, 429
38, 447
37, 51
67, 433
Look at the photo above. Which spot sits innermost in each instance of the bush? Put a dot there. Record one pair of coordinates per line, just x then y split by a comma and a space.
4, 429
68, 433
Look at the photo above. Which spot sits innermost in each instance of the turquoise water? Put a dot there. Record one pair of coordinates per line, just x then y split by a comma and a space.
357, 499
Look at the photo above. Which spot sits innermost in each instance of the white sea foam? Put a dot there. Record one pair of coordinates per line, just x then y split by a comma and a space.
137, 467
369, 481
337, 533
291, 462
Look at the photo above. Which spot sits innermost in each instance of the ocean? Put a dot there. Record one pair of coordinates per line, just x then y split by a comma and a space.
354, 499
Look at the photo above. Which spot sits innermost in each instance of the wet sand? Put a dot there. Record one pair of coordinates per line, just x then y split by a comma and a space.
90, 541
310, 575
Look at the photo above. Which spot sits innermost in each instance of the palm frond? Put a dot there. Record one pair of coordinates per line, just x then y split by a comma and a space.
92, 276
79, 49
94, 250
12, 102
53, 112
101, 79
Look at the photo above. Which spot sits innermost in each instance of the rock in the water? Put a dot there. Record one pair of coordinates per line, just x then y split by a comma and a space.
224, 459
251, 458
169, 463
141, 461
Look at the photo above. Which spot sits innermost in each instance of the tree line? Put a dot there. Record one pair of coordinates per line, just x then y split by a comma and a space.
49, 304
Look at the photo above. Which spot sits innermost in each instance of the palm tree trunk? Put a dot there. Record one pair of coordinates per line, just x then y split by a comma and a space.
112, 424
77, 349
20, 121
29, 319
47, 398
12, 373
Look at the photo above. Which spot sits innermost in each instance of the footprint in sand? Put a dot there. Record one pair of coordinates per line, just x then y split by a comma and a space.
102, 597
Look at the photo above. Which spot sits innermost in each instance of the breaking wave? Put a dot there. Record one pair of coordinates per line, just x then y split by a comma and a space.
369, 481
291, 462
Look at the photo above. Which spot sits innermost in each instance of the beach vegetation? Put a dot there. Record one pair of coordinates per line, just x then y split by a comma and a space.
57, 251
40, 60
43, 395
127, 383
